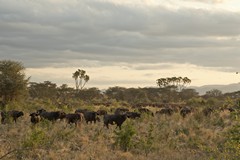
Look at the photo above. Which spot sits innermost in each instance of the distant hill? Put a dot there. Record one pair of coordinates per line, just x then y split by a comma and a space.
224, 88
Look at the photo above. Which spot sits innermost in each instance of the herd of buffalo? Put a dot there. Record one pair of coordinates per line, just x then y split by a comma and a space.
117, 118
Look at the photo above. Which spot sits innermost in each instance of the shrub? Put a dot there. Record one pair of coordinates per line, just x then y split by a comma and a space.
146, 143
124, 137
36, 138
232, 145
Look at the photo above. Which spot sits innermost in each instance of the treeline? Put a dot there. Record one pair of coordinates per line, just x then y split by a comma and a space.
15, 85
64, 93
50, 90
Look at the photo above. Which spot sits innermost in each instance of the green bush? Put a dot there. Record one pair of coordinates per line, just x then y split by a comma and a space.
36, 138
146, 143
229, 148
124, 137
232, 145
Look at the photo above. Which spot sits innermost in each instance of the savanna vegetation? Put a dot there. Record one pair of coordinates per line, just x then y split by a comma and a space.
210, 130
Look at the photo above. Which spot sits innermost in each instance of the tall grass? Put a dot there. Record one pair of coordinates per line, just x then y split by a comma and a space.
148, 138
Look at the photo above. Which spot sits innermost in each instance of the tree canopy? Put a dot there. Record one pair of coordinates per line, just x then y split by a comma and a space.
81, 78
173, 82
13, 81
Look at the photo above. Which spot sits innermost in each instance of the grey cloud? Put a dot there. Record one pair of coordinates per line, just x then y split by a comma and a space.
41, 33
195, 22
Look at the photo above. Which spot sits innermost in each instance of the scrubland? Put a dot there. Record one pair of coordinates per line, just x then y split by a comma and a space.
161, 137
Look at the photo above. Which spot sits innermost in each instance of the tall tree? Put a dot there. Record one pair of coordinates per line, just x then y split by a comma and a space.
81, 78
13, 81
185, 81
177, 83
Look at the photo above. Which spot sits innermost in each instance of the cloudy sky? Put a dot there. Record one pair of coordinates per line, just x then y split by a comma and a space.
121, 42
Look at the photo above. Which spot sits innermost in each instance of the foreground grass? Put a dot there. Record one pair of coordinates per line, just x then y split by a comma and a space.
153, 138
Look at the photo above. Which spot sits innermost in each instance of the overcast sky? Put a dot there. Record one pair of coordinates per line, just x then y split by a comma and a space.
121, 42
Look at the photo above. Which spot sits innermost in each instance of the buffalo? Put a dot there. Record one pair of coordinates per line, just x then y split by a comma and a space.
35, 118
121, 111
91, 116
75, 118
117, 119
14, 114
51, 116
133, 115
184, 111
166, 111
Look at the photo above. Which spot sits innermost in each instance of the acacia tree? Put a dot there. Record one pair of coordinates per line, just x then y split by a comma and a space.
80, 79
173, 82
185, 81
13, 81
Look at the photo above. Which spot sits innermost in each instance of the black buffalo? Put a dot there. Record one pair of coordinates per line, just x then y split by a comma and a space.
35, 118
13, 114
185, 111
91, 116
133, 115
165, 111
121, 110
117, 119
75, 118
51, 116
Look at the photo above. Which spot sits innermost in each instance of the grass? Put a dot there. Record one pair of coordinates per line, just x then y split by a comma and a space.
154, 138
